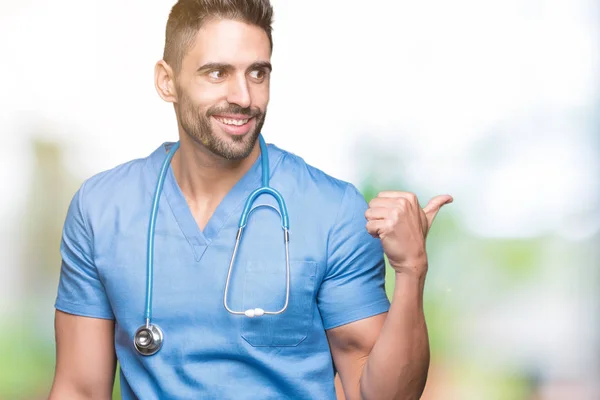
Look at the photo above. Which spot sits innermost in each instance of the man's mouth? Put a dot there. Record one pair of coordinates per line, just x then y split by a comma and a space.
232, 121
235, 124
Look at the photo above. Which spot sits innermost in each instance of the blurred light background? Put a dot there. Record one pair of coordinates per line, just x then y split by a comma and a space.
496, 102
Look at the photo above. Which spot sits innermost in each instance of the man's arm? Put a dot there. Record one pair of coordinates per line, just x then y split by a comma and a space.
388, 357
385, 356
85, 358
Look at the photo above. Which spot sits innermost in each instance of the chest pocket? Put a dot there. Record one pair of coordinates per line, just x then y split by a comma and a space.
264, 287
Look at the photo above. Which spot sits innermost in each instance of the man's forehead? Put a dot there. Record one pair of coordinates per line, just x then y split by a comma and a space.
229, 42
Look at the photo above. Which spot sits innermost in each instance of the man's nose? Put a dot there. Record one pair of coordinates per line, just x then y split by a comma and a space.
238, 92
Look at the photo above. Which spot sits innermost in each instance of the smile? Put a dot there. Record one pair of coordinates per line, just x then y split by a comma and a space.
235, 124
231, 121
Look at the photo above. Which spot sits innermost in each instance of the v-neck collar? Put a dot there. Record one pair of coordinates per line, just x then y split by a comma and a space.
230, 206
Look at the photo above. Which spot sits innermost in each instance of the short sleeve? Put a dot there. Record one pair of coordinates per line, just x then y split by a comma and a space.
80, 290
354, 284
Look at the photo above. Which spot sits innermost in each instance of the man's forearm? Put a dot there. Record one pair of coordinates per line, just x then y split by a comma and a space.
398, 363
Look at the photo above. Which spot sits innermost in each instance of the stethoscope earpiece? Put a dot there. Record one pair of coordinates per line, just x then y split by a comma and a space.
148, 339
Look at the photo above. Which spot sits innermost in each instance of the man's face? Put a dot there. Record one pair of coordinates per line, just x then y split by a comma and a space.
223, 87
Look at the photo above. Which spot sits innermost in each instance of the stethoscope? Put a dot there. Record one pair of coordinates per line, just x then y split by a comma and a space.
148, 338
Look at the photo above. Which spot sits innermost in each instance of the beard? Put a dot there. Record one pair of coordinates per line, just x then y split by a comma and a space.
198, 126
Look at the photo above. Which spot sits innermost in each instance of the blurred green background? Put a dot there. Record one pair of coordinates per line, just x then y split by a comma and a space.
496, 103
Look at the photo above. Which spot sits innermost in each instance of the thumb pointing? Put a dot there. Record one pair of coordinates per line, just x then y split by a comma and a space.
434, 205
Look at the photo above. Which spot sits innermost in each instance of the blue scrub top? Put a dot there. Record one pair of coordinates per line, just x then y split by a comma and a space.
337, 277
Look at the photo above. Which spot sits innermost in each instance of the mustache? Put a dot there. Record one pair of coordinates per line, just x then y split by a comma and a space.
234, 109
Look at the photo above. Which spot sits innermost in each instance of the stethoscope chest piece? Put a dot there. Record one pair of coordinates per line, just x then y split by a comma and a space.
148, 339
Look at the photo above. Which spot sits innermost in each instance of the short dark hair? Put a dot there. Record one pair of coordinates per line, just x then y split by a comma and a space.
188, 16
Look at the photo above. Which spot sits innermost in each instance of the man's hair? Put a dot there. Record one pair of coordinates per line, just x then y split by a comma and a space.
188, 16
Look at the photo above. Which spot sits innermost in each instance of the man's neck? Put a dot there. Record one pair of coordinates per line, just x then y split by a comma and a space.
205, 178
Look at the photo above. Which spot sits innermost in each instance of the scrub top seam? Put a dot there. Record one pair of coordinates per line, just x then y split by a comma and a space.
154, 167
332, 227
90, 237
86, 227
188, 238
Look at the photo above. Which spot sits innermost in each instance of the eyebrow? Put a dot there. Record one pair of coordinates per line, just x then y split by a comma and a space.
228, 67
261, 65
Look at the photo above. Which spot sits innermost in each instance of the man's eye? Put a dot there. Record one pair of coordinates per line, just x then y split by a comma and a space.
258, 74
216, 74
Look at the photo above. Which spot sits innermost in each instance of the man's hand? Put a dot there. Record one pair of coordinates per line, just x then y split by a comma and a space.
398, 220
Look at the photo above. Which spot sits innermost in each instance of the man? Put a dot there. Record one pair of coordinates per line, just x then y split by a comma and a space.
216, 72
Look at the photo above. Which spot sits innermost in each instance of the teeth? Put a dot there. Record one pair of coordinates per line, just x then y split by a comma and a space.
236, 122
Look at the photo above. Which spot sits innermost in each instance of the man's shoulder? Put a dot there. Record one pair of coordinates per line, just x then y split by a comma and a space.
124, 182
310, 176
124, 175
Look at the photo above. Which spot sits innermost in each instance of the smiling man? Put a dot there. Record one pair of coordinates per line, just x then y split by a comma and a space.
278, 319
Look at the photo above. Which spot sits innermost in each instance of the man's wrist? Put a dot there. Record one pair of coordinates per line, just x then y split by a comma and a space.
415, 269
410, 281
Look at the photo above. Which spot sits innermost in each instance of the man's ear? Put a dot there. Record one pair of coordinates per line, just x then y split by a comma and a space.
164, 81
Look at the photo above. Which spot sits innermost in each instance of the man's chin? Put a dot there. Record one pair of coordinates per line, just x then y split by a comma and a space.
236, 140
235, 147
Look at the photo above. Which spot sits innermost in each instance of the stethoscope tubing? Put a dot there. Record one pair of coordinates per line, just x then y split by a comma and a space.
148, 339
151, 229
